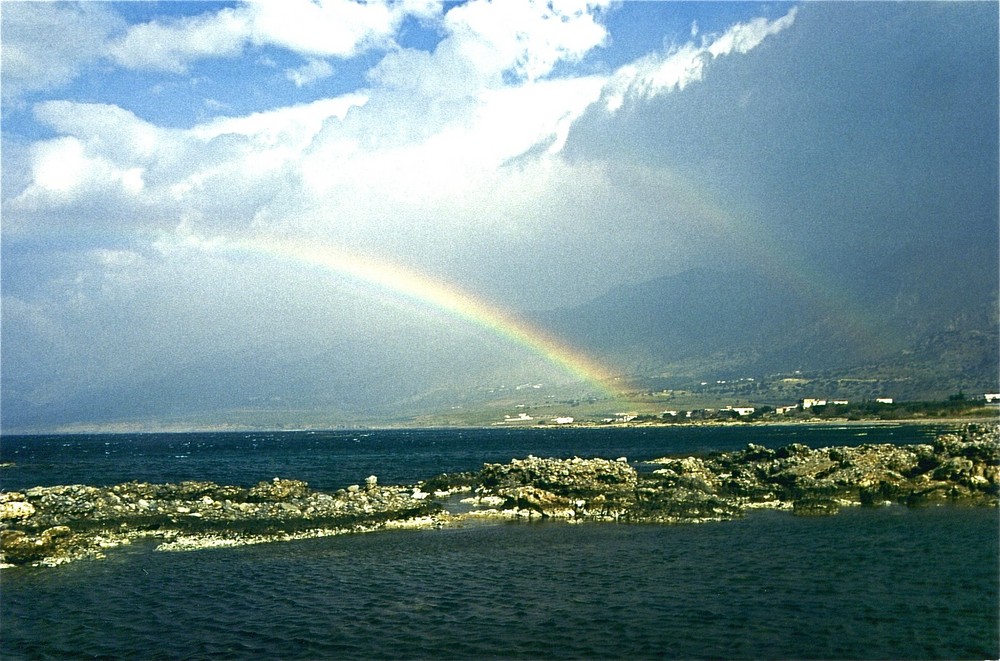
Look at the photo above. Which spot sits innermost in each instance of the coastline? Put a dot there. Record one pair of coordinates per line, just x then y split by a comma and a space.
794, 422
45, 526
582, 424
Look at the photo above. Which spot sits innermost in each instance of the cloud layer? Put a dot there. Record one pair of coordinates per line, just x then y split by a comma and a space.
504, 146
463, 140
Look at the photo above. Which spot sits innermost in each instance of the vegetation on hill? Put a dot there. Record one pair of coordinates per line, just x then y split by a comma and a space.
910, 331
956, 407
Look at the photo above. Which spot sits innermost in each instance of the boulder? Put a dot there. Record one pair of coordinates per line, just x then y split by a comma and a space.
278, 490
16, 510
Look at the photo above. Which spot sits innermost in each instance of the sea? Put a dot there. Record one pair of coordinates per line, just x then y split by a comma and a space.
868, 583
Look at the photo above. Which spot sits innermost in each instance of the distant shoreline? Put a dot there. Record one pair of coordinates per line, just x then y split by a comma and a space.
792, 422
572, 425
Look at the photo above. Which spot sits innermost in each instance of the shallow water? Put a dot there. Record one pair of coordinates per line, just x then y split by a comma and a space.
866, 584
888, 583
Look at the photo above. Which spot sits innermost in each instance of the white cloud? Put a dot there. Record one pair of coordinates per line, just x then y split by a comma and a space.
527, 37
657, 74
225, 170
171, 45
524, 37
464, 149
309, 72
63, 171
441, 145
102, 154
45, 45
743, 37
338, 28
327, 28
114, 130
296, 124
59, 165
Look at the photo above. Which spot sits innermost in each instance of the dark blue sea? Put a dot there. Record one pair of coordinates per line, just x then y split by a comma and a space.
886, 583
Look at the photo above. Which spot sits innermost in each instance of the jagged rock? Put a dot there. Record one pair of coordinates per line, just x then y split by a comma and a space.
560, 488
954, 468
278, 489
817, 506
561, 476
16, 509
19, 547
75, 520
538, 500
959, 466
51, 524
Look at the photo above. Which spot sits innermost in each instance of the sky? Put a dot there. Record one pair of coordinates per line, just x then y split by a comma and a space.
173, 174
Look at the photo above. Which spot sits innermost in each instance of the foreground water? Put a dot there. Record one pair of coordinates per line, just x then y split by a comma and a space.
868, 583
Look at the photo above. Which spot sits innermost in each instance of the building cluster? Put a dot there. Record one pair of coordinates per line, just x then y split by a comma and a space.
524, 417
727, 413
707, 414
622, 417
810, 402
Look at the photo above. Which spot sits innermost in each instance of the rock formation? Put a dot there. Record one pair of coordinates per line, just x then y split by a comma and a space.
65, 522
49, 525
963, 467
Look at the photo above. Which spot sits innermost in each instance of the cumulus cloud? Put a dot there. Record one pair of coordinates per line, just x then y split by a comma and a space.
328, 28
120, 174
62, 166
296, 125
309, 72
102, 156
170, 46
337, 28
423, 153
660, 73
526, 37
45, 45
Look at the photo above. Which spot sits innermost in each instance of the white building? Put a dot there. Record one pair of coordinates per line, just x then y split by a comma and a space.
741, 410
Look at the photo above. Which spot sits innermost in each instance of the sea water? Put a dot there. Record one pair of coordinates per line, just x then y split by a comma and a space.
884, 583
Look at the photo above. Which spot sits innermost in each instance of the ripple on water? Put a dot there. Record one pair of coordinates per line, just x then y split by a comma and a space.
864, 584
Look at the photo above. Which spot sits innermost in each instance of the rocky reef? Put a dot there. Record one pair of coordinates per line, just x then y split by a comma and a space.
50, 525
962, 467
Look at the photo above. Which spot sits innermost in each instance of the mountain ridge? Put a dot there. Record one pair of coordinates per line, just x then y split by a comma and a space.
706, 323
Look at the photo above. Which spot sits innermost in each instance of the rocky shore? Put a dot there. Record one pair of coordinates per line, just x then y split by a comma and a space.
958, 468
50, 525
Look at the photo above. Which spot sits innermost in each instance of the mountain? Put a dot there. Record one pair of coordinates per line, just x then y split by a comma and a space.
929, 324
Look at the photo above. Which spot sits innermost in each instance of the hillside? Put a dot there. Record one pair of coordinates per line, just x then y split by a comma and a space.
931, 341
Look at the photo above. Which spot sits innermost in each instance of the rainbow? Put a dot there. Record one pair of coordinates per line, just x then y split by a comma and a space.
439, 295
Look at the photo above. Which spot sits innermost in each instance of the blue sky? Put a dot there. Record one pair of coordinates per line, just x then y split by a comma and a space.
534, 154
262, 76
